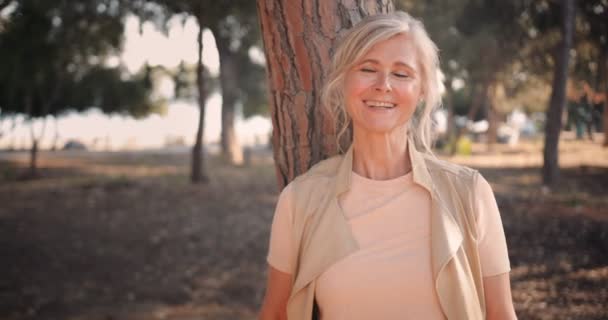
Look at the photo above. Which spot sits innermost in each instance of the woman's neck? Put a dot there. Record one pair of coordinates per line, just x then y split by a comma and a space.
381, 156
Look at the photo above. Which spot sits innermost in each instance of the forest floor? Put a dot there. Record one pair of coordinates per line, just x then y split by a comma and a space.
126, 236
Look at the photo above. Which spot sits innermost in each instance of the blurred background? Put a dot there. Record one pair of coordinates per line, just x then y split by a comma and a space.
137, 178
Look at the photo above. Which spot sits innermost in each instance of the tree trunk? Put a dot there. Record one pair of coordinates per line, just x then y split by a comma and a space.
33, 167
491, 115
479, 100
298, 38
199, 173
54, 147
450, 119
231, 149
550, 171
603, 71
11, 145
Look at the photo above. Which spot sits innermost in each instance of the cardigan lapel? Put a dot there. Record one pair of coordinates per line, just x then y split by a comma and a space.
446, 235
330, 237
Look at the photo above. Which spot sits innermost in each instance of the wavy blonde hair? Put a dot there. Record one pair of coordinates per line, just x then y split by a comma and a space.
355, 44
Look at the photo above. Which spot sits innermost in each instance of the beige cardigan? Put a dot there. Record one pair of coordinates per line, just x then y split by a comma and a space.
322, 235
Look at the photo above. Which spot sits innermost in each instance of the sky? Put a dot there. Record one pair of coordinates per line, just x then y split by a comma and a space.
114, 132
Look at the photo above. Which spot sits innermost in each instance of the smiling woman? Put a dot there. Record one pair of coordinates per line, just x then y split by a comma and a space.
383, 90
386, 230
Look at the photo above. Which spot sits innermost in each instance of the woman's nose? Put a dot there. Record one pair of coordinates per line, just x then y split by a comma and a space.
383, 82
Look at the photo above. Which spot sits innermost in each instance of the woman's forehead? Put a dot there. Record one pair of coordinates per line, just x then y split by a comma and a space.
398, 50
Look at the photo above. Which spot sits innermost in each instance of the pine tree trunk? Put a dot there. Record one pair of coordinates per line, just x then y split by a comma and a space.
550, 171
199, 173
231, 149
298, 37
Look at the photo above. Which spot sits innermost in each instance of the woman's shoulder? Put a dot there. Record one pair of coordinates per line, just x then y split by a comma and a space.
437, 165
462, 178
323, 170
309, 189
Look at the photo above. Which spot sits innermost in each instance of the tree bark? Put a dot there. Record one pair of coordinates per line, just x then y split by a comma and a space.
199, 172
298, 39
550, 170
231, 149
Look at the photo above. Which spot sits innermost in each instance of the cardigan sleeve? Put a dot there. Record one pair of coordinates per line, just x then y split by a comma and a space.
491, 244
281, 255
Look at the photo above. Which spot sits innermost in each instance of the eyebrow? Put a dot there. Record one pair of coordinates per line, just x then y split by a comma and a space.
399, 63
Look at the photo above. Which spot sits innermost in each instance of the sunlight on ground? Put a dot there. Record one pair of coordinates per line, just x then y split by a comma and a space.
124, 235
573, 153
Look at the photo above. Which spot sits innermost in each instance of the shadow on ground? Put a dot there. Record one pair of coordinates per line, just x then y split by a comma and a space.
126, 237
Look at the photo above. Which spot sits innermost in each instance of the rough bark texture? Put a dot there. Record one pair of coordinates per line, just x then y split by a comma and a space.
231, 149
199, 172
298, 38
553, 127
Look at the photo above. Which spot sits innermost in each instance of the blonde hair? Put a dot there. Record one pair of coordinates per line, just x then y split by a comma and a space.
355, 44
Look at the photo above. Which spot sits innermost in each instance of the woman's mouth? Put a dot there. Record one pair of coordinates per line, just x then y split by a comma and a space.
379, 104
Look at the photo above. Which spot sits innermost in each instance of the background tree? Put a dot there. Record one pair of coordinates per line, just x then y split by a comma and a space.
198, 9
53, 56
236, 31
298, 39
595, 34
440, 18
477, 53
550, 171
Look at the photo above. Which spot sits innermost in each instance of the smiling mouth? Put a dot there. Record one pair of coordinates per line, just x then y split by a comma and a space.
379, 104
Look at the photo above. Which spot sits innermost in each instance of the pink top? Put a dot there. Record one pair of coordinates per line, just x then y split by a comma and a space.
390, 276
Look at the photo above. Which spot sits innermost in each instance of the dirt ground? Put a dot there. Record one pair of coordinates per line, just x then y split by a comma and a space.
125, 236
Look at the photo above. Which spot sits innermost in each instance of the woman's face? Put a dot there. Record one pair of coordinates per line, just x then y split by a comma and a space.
382, 89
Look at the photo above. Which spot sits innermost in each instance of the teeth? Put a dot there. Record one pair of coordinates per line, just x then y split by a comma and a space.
379, 104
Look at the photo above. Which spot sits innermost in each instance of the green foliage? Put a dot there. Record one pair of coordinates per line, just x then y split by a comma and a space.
512, 43
592, 47
53, 54
478, 42
461, 100
236, 30
104, 88
236, 33
253, 88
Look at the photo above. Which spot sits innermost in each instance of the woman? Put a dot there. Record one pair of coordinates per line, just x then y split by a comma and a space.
386, 230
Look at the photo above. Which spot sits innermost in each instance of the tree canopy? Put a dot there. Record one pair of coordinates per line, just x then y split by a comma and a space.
54, 57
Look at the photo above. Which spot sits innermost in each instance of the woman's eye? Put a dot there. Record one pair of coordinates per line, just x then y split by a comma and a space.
401, 75
368, 70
